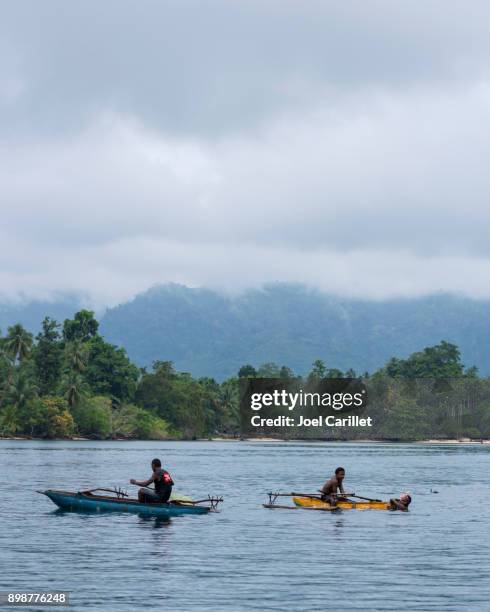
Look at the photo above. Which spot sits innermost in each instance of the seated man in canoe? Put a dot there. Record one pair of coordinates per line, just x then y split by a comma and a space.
333, 486
401, 503
163, 485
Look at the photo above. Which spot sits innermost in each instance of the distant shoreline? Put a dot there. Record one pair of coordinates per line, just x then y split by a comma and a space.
218, 439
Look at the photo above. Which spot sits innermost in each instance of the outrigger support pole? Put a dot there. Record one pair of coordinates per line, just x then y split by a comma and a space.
274, 495
118, 491
211, 499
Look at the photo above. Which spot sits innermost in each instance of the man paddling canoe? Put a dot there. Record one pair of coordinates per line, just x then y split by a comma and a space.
163, 485
334, 486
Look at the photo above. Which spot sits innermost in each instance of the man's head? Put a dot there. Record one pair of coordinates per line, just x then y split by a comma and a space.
340, 474
156, 463
405, 499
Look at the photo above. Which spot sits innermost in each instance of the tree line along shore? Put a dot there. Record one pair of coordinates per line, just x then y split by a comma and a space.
68, 382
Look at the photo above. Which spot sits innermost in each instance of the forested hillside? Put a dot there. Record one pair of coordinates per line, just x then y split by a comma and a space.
207, 333
69, 381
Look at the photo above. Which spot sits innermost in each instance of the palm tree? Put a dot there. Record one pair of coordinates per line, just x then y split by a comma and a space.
17, 390
6, 372
229, 404
75, 388
76, 356
21, 390
18, 343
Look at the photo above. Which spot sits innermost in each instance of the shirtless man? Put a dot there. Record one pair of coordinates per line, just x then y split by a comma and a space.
330, 488
401, 503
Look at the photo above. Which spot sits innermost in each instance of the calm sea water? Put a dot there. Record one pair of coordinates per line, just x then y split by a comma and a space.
437, 557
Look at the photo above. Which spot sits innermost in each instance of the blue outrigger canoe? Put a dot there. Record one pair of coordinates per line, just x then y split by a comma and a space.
87, 501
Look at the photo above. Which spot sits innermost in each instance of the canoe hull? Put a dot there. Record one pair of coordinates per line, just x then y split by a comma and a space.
308, 502
67, 500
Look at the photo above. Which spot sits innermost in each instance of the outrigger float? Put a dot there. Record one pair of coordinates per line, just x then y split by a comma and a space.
314, 501
90, 501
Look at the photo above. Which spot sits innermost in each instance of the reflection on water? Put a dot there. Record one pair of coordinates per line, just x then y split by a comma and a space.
437, 556
154, 521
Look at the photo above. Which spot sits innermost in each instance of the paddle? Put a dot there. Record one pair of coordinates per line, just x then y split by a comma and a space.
365, 498
358, 497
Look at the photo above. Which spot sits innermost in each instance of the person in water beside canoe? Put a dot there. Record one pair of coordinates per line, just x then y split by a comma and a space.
333, 486
401, 503
163, 485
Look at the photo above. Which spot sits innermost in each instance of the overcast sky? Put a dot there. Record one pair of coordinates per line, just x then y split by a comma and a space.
225, 143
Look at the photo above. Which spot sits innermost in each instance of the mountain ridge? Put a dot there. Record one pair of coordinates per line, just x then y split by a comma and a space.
209, 333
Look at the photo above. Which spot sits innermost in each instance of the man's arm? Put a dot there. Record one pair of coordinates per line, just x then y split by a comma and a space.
142, 483
397, 505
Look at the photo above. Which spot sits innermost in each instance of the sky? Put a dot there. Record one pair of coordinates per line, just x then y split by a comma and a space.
228, 143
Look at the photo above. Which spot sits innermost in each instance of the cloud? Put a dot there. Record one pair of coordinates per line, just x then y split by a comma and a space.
339, 145
187, 66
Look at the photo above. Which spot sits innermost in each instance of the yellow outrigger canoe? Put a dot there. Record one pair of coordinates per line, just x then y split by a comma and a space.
313, 501
318, 504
